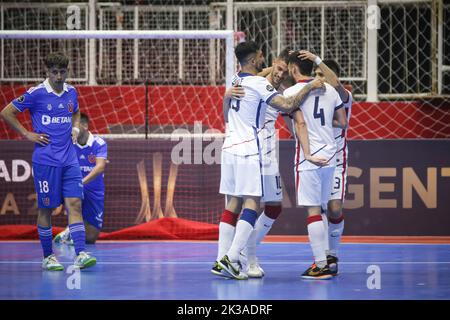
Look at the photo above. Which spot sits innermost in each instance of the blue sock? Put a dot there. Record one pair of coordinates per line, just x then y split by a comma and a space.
45, 235
78, 235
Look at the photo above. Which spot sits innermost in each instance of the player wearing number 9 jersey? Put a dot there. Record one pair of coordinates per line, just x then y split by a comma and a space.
313, 183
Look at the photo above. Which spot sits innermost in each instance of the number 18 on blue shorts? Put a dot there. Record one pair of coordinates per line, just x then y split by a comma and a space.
53, 184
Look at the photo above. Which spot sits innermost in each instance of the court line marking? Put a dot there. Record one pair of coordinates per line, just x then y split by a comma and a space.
102, 242
209, 262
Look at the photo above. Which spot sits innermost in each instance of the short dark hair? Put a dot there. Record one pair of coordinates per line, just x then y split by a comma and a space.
84, 118
284, 55
56, 59
305, 66
333, 65
244, 49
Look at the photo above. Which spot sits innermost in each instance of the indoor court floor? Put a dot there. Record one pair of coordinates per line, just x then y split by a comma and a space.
175, 270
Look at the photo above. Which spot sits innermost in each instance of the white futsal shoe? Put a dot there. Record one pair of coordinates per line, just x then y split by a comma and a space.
63, 237
254, 270
52, 264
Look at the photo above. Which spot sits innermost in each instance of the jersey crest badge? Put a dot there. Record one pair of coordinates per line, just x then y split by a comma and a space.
91, 158
70, 106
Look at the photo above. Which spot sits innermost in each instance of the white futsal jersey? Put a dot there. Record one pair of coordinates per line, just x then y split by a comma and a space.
341, 134
340, 173
241, 167
318, 110
246, 116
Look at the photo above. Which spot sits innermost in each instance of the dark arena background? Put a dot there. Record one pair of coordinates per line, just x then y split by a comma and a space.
155, 93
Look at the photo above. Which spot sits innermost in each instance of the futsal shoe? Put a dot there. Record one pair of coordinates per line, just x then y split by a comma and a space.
254, 270
50, 263
332, 262
217, 270
233, 269
84, 260
316, 273
63, 237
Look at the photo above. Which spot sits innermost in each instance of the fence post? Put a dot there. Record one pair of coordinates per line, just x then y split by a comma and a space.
92, 53
372, 52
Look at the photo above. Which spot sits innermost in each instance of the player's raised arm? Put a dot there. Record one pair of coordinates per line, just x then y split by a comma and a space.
265, 72
301, 130
292, 103
330, 76
9, 113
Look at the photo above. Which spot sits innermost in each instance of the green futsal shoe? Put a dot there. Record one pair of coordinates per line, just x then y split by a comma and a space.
84, 260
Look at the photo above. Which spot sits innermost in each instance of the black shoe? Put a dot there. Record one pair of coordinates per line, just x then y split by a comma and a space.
316, 273
217, 270
332, 262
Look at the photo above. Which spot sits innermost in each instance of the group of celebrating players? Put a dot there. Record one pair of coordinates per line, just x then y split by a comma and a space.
319, 109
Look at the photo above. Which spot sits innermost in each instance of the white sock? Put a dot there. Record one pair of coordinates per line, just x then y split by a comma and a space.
325, 225
335, 232
262, 227
243, 232
250, 250
316, 235
226, 235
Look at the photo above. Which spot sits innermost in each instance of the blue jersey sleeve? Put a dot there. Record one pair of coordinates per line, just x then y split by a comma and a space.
102, 149
25, 101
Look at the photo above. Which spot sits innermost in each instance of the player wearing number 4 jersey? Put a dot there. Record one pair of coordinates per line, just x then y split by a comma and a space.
241, 168
322, 110
55, 117
328, 70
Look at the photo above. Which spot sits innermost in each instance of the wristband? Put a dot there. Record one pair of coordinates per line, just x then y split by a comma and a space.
317, 60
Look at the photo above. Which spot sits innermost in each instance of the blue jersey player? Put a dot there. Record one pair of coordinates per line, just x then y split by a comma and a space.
92, 154
55, 117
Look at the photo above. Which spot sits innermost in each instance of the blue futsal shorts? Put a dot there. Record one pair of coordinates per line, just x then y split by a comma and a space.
92, 208
53, 184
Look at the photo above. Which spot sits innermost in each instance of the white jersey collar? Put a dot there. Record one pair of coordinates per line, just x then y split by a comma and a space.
89, 143
50, 89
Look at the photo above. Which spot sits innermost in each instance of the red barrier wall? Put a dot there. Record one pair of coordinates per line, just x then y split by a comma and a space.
175, 105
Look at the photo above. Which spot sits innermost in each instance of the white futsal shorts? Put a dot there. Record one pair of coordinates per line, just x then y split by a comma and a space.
340, 178
314, 186
272, 182
240, 176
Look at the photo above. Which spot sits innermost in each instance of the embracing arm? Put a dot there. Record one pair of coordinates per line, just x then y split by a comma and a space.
340, 119
292, 103
231, 93
329, 74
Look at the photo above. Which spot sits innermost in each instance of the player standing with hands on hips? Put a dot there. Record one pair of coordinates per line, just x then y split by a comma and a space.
55, 116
